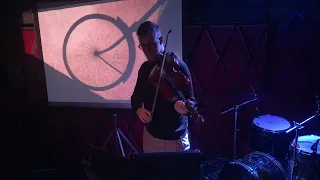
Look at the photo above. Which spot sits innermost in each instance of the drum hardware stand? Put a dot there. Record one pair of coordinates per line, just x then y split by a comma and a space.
314, 149
119, 133
236, 109
297, 126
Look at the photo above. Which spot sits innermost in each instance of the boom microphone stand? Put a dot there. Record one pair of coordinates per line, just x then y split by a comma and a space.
297, 126
119, 133
236, 109
314, 149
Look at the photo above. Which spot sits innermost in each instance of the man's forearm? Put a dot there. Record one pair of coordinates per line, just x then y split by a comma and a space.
136, 102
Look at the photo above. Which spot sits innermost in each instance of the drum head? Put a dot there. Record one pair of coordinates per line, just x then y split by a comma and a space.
254, 166
271, 123
305, 143
236, 171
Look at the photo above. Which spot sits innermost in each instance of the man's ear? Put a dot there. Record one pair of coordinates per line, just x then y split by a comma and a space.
161, 39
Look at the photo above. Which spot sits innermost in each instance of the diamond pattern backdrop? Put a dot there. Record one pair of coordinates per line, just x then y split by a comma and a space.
227, 59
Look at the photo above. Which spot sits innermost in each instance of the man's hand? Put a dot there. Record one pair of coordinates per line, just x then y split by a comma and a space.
144, 115
180, 107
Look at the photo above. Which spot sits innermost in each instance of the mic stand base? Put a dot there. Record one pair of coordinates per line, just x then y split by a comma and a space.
235, 130
315, 164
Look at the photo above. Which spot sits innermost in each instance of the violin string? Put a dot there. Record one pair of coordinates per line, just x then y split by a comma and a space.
172, 84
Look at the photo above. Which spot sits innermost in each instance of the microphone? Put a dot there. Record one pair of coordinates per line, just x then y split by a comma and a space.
255, 95
314, 146
294, 18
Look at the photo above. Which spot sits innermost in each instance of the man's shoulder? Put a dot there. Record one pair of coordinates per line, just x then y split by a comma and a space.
181, 61
145, 63
183, 65
145, 66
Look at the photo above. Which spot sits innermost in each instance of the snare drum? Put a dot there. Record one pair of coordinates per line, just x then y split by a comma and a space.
269, 135
306, 161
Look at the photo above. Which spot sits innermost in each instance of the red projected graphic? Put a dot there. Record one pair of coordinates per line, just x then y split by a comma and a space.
96, 45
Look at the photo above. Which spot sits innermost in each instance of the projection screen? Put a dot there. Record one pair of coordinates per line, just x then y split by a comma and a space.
90, 50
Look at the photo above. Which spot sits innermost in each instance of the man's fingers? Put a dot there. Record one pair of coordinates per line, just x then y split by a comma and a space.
181, 105
145, 118
148, 114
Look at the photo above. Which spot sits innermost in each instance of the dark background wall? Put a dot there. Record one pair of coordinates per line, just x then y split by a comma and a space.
229, 45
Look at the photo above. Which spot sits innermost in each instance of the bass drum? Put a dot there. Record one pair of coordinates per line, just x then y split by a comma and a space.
255, 166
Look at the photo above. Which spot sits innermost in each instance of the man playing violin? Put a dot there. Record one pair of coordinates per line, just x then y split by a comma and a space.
166, 130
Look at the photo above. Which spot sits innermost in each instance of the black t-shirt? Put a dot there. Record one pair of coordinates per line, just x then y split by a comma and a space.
167, 123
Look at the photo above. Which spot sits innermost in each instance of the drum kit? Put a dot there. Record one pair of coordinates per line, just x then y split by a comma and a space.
277, 152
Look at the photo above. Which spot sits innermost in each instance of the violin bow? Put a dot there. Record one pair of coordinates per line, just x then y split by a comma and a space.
161, 72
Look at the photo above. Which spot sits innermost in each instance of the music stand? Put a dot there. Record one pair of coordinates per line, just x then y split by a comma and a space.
119, 133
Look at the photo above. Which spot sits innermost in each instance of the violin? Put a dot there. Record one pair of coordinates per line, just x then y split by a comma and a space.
169, 80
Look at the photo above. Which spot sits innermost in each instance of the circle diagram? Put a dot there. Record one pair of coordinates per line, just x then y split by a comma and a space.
99, 51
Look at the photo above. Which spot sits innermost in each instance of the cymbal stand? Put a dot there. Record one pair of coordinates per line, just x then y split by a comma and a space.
119, 133
236, 109
315, 154
297, 126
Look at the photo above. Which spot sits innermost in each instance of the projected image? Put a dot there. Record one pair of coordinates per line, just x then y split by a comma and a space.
95, 45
